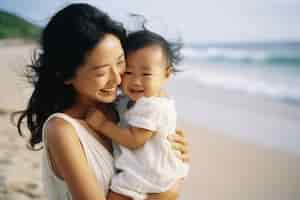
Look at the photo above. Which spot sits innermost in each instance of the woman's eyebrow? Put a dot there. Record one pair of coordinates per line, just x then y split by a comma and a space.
105, 65
99, 66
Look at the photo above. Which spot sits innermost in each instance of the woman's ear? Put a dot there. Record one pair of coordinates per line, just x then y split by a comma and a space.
68, 82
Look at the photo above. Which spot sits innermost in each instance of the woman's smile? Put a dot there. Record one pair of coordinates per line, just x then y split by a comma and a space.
109, 91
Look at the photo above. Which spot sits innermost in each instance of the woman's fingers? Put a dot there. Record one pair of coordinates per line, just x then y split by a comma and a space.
179, 138
179, 132
185, 158
180, 147
181, 151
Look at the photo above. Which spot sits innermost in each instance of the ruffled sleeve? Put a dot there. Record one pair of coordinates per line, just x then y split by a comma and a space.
144, 114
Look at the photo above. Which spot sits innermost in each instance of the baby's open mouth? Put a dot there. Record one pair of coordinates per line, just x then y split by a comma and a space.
134, 91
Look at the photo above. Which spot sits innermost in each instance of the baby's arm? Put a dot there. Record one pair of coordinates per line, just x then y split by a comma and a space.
132, 137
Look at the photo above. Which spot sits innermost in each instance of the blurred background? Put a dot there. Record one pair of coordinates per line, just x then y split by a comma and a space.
238, 95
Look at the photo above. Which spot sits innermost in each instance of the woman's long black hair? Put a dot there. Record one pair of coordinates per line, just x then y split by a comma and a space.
70, 34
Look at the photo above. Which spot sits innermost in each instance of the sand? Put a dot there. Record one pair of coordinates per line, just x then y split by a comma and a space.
222, 167
20, 176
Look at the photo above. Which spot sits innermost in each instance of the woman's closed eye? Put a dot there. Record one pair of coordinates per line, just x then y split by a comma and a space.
147, 74
127, 73
100, 73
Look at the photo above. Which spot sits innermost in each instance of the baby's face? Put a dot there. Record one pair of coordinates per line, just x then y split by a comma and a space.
145, 74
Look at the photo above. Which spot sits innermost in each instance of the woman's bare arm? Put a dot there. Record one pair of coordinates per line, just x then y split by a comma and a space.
171, 194
66, 152
115, 196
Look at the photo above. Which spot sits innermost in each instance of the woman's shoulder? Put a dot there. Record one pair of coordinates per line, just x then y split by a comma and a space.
58, 124
67, 154
58, 121
58, 128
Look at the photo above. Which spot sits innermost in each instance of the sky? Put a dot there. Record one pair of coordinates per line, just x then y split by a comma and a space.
195, 21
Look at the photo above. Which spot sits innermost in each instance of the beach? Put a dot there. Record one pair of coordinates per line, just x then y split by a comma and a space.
20, 177
258, 159
224, 168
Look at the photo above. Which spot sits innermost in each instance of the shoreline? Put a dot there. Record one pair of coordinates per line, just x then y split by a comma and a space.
248, 118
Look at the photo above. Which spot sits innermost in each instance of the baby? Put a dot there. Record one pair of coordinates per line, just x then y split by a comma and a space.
144, 157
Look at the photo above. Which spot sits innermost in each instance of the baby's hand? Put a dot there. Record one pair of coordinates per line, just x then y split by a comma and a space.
95, 118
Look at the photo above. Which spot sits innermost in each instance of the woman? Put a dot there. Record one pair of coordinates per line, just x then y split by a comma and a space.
78, 70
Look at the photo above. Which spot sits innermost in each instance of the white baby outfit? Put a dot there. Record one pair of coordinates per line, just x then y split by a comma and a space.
153, 168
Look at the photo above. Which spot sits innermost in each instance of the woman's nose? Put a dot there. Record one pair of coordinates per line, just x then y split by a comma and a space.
116, 75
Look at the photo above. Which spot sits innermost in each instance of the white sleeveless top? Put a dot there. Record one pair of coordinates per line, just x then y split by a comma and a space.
99, 159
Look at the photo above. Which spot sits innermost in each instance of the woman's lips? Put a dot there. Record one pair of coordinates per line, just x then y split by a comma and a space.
109, 90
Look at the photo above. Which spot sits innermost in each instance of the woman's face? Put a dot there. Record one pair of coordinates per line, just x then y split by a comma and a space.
98, 78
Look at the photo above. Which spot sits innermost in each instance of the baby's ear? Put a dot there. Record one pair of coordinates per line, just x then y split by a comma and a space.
169, 71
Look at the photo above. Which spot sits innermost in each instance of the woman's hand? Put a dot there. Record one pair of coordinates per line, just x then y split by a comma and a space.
180, 145
115, 196
171, 194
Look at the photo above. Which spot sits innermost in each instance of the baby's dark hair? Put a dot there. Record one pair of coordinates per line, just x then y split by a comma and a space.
145, 38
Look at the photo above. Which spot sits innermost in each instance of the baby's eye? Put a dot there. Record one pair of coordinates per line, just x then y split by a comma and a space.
147, 74
128, 73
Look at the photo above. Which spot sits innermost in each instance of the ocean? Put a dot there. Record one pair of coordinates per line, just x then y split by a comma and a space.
249, 91
270, 69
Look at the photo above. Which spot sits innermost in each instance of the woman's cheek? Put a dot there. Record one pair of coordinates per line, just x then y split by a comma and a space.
100, 81
122, 69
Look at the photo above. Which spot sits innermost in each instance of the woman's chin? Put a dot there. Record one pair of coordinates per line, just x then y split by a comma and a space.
107, 99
